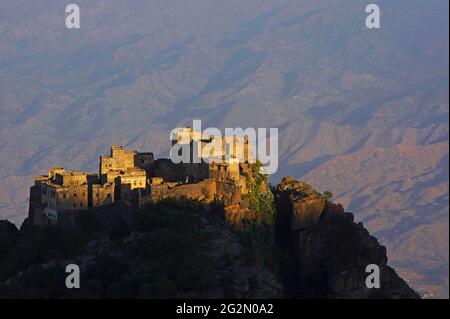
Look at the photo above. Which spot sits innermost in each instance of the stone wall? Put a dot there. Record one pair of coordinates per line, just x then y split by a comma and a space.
102, 194
135, 177
203, 190
74, 198
144, 161
70, 178
120, 159
172, 172
228, 192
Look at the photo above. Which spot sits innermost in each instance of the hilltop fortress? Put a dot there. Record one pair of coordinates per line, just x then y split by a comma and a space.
328, 252
135, 179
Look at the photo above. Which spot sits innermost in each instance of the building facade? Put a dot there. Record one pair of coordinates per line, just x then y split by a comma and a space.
137, 178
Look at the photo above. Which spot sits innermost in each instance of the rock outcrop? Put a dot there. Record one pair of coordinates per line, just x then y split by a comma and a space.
9, 235
331, 251
180, 248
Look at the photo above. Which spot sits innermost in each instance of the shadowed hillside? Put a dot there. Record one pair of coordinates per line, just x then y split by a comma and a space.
179, 248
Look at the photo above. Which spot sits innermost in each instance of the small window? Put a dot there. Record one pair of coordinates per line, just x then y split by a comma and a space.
74, 205
64, 195
74, 194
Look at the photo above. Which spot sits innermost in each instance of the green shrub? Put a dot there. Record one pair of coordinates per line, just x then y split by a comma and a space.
328, 195
260, 196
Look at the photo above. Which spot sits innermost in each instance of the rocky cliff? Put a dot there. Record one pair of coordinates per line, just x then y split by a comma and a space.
331, 251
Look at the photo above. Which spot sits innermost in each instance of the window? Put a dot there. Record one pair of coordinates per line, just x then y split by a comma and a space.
74, 194
64, 195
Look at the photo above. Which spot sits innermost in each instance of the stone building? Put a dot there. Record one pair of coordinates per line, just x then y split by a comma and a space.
62, 191
102, 194
119, 160
216, 148
138, 179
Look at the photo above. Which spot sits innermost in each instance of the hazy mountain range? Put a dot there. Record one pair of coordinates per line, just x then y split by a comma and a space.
361, 112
